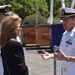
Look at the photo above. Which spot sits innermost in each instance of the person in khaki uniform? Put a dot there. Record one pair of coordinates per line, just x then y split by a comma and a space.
66, 53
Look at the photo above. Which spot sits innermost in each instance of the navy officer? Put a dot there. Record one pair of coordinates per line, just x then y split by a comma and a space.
66, 53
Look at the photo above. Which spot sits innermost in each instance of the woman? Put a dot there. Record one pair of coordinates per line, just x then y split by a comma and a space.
12, 50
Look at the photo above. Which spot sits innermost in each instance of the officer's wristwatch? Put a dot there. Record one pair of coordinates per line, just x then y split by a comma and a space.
67, 59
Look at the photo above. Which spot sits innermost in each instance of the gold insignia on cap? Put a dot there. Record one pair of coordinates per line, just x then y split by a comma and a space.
67, 16
7, 9
62, 12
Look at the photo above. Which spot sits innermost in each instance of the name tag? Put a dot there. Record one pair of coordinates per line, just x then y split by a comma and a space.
69, 42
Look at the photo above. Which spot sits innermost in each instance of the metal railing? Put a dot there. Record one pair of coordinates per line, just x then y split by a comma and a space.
57, 67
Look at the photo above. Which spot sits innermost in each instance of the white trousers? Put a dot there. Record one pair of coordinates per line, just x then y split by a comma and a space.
1, 67
69, 72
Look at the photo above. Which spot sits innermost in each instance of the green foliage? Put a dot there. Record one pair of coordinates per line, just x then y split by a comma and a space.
27, 7
56, 20
32, 19
67, 3
57, 5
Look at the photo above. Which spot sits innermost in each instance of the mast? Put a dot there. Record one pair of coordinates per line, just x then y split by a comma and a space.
62, 3
50, 19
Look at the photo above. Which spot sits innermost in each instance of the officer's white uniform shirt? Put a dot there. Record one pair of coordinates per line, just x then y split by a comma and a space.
0, 34
1, 66
18, 39
67, 46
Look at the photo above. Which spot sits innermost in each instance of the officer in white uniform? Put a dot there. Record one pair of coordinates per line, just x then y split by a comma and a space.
66, 53
67, 45
3, 13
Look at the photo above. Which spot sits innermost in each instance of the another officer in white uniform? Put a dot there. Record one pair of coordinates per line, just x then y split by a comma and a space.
66, 53
3, 10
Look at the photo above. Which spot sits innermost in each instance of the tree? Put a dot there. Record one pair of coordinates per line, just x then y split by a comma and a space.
27, 7
31, 19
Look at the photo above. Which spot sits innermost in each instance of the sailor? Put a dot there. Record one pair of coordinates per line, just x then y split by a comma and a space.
66, 53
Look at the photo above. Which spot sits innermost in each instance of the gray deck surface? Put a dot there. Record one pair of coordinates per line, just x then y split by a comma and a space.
38, 66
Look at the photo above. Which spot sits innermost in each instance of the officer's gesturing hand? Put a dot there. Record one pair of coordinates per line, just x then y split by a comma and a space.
59, 56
